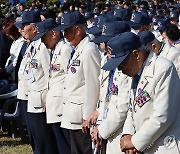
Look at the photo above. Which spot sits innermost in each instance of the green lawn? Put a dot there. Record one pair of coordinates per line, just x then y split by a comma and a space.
9, 145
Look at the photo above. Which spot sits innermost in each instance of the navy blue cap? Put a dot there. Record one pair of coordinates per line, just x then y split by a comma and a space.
174, 15
152, 12
121, 46
138, 19
159, 12
43, 27
88, 15
98, 27
143, 10
18, 22
151, 6
155, 21
167, 15
70, 19
123, 14
29, 17
110, 29
121, 27
146, 37
161, 24
177, 5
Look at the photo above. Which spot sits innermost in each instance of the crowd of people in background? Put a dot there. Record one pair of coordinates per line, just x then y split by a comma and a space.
95, 73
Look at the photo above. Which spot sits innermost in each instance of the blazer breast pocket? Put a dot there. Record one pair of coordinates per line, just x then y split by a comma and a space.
75, 112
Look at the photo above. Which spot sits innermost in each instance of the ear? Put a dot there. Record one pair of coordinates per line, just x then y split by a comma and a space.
35, 29
136, 54
153, 46
78, 28
54, 33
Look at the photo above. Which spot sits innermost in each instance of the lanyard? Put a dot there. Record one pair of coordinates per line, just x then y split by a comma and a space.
110, 81
108, 94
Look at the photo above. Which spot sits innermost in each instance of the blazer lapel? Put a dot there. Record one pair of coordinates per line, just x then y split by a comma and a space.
104, 76
147, 73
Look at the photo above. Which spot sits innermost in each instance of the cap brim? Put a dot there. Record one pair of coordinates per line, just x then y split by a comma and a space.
88, 17
38, 36
102, 38
62, 27
133, 24
161, 28
94, 30
176, 5
113, 63
18, 24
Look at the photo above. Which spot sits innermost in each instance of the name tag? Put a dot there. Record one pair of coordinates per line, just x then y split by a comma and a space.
22, 67
76, 63
31, 78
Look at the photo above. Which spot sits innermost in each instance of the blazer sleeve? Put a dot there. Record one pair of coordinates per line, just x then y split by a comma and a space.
165, 107
91, 69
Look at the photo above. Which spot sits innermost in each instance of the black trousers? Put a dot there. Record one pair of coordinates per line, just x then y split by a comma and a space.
42, 133
80, 142
30, 135
62, 138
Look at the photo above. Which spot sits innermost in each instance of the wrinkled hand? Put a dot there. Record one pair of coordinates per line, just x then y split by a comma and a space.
91, 120
85, 128
95, 137
126, 144
44, 108
130, 152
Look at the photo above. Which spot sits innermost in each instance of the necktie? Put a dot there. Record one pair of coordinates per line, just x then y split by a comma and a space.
23, 48
72, 53
51, 55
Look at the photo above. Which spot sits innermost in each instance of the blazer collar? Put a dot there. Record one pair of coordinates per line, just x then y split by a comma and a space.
148, 70
58, 47
165, 49
80, 47
104, 74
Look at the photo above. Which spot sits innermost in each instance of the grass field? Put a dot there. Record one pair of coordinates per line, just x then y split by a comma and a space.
10, 145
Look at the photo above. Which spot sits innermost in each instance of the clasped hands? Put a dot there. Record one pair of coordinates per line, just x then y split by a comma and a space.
126, 144
91, 121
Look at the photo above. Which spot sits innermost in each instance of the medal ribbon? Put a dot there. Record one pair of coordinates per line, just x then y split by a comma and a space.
51, 57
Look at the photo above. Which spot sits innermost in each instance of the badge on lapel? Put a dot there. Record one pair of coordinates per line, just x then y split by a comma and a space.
76, 63
142, 98
34, 63
73, 69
